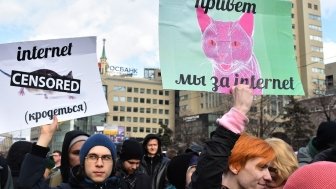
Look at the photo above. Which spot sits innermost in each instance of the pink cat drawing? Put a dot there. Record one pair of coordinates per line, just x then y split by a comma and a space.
229, 46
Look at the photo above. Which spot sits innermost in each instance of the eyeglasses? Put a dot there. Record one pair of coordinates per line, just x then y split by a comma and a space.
94, 158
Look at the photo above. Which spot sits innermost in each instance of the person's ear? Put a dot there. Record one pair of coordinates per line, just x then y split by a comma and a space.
233, 170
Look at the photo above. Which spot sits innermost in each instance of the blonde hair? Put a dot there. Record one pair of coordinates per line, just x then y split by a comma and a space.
248, 147
285, 161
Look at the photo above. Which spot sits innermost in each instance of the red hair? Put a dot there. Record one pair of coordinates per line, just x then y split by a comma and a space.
248, 147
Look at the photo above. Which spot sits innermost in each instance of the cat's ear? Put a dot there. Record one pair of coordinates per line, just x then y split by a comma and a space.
69, 74
247, 23
203, 19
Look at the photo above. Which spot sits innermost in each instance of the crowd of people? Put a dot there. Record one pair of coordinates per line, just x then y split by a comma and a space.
230, 159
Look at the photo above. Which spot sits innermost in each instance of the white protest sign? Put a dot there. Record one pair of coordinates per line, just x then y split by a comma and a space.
40, 79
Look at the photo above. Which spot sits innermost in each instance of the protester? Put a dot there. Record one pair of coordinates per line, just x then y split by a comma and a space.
97, 161
194, 147
72, 143
15, 156
284, 164
171, 152
231, 159
128, 166
154, 163
180, 169
57, 156
317, 175
326, 155
324, 139
6, 181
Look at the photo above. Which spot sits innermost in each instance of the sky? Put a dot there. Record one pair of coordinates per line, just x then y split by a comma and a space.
130, 27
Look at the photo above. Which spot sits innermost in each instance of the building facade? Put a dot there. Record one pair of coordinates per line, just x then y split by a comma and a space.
139, 105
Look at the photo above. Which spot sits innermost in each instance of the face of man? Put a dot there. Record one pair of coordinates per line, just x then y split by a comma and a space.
57, 158
152, 147
254, 175
98, 164
131, 165
74, 153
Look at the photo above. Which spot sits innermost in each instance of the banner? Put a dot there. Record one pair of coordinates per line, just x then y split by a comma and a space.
212, 45
40, 79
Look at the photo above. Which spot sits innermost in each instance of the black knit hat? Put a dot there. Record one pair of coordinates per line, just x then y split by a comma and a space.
131, 149
177, 168
325, 135
16, 154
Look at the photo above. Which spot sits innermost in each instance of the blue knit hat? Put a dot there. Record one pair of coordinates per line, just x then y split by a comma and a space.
97, 140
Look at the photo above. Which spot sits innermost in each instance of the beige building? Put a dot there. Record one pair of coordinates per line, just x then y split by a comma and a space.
307, 31
139, 105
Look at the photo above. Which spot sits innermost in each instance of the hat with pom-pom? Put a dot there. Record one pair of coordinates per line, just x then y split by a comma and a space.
318, 175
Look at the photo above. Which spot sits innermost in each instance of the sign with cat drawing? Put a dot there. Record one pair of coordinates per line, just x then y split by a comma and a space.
212, 45
40, 79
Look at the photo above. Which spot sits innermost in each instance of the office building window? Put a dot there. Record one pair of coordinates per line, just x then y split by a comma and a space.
129, 99
316, 7
128, 119
154, 111
115, 108
135, 119
122, 118
154, 120
154, 130
160, 92
154, 101
129, 89
142, 91
142, 100
149, 91
135, 109
309, 5
166, 112
142, 120
154, 91
166, 93
136, 99
148, 100
166, 102
148, 130
161, 102
128, 129
129, 109
148, 120
315, 17
148, 110
115, 118
141, 130
142, 110
135, 129
122, 108
119, 88
136, 90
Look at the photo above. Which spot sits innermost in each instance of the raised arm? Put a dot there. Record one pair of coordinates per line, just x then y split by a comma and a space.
214, 161
33, 166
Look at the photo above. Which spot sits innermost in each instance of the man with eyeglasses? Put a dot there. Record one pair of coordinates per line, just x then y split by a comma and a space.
97, 161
